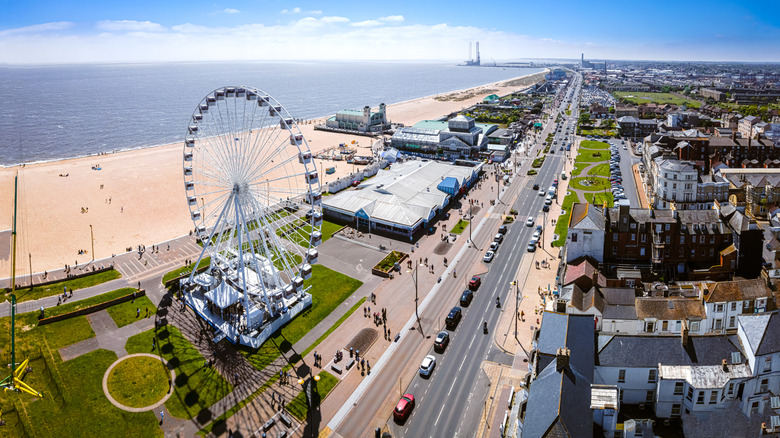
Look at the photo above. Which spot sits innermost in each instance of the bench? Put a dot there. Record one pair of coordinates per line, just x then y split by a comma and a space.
268, 424
282, 434
336, 368
285, 419
350, 364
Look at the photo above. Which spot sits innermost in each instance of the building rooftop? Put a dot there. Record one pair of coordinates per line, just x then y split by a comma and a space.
705, 376
668, 309
739, 290
647, 351
761, 332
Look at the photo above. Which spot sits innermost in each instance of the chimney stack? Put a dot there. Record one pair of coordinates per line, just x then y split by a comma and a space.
734, 136
684, 334
725, 366
562, 359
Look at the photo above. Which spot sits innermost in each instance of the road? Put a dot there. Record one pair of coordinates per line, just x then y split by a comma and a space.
451, 401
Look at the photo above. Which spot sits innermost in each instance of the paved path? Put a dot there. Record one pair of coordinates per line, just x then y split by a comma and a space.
145, 408
108, 336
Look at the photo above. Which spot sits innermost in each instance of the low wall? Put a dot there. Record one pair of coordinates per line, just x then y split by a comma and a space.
175, 281
92, 309
381, 273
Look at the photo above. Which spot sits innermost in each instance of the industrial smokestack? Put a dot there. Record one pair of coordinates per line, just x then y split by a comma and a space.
477, 52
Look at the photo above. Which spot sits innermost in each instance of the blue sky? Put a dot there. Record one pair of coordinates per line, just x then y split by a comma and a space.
173, 30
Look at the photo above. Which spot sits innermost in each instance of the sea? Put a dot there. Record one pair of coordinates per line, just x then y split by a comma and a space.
56, 112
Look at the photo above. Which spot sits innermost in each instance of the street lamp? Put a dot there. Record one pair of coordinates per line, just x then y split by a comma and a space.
416, 313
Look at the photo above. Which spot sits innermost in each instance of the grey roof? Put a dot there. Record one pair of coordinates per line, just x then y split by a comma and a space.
559, 404
573, 331
645, 351
559, 401
619, 312
628, 119
674, 165
761, 332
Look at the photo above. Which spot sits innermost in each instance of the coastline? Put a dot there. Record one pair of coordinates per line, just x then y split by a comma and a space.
138, 197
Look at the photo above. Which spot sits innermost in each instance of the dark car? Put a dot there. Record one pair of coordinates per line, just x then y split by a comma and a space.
503, 229
441, 342
475, 282
453, 318
546, 208
536, 186
404, 407
466, 298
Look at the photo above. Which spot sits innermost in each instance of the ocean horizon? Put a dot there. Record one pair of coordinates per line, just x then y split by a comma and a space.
68, 111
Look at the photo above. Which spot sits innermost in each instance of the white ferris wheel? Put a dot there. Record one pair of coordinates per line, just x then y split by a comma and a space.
254, 196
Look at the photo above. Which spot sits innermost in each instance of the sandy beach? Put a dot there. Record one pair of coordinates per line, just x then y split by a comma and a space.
137, 197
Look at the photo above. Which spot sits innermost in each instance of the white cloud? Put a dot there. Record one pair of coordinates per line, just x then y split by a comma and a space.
367, 23
231, 11
129, 26
44, 27
393, 19
334, 19
300, 11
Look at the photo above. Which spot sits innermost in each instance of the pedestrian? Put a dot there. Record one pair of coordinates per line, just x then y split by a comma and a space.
281, 377
162, 416
154, 342
147, 312
315, 358
522, 315
236, 378
137, 312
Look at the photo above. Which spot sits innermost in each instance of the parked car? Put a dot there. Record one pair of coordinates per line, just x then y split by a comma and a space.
453, 318
475, 282
546, 208
498, 238
531, 247
427, 366
503, 229
404, 407
441, 342
494, 246
488, 257
466, 297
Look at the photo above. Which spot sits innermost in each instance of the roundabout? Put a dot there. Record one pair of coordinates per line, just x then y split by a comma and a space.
138, 382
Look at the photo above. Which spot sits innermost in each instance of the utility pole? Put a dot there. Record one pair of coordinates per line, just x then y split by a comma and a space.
92, 236
31, 273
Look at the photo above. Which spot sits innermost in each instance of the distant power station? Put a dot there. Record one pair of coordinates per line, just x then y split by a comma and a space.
471, 61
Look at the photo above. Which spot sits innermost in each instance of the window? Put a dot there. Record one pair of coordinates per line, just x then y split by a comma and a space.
614, 250
649, 326
633, 237
668, 227
717, 324
665, 326
731, 388
712, 252
694, 325
668, 240
682, 240
633, 226
733, 306
700, 398
713, 397
764, 386
573, 237
754, 407
676, 409
693, 253
746, 304
643, 238
719, 307
641, 251
614, 236
690, 393
674, 186
650, 396
621, 376
677, 325
678, 388
651, 376
768, 363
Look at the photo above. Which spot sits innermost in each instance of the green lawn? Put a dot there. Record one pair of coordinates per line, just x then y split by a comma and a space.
590, 144
459, 227
197, 386
73, 403
389, 261
596, 184
591, 156
298, 406
139, 381
599, 170
91, 301
329, 289
48, 290
562, 224
125, 313
597, 131
578, 168
185, 269
538, 162
600, 198
637, 98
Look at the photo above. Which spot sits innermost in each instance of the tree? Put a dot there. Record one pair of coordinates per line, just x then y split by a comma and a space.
666, 89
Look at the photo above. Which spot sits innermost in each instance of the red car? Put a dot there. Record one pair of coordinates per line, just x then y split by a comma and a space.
404, 407
474, 283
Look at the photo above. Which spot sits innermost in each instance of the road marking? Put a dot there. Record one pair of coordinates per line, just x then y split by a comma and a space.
437, 417
472, 340
452, 386
461, 363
